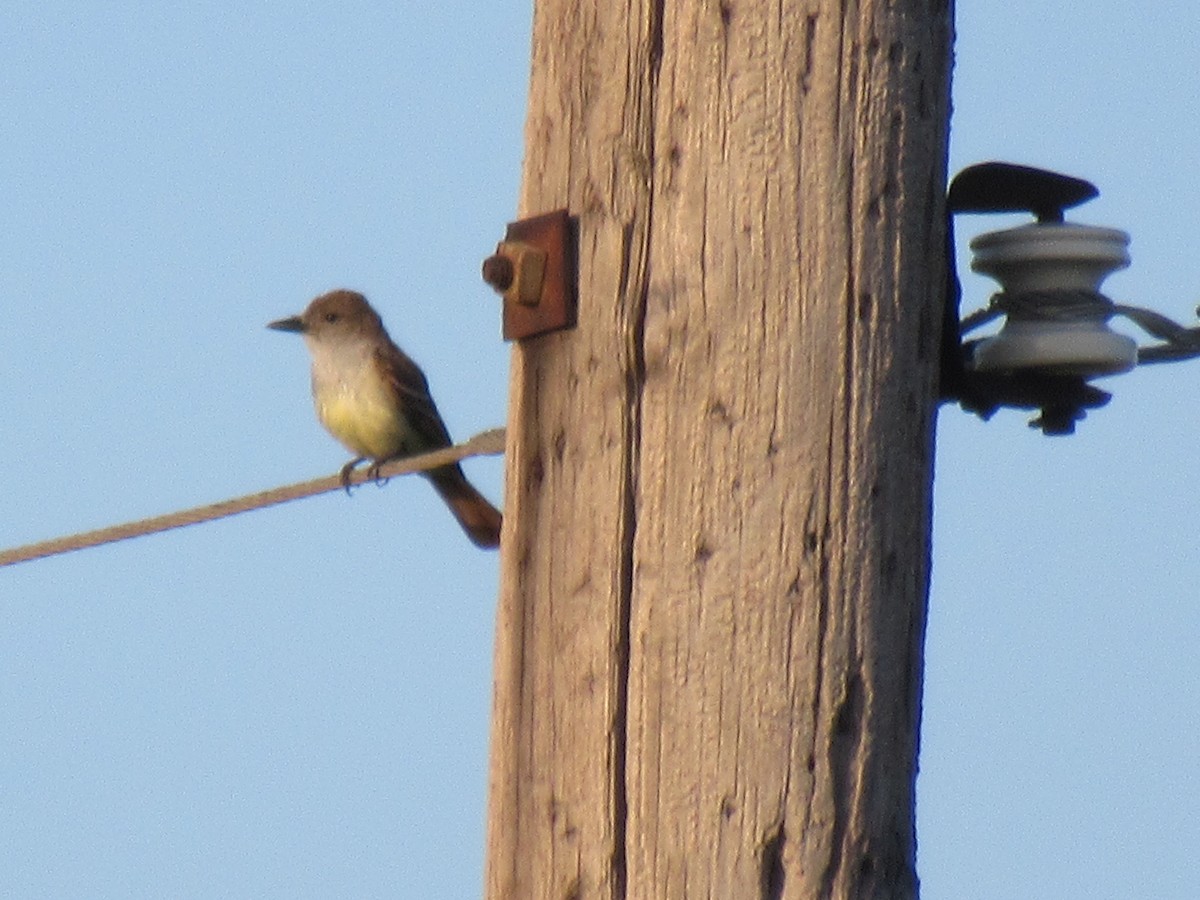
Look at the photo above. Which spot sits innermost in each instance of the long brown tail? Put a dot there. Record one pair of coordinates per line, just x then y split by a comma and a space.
478, 518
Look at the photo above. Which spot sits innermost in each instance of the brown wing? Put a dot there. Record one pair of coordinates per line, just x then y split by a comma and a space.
478, 518
412, 391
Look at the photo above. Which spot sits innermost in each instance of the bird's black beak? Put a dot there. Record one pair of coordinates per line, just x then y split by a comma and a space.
291, 323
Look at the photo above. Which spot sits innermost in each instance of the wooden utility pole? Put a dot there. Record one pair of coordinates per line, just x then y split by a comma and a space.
716, 555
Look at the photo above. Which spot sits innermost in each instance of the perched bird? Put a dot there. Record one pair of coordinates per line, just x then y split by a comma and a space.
375, 400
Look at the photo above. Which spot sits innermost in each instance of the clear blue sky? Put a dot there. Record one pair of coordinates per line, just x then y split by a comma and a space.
294, 703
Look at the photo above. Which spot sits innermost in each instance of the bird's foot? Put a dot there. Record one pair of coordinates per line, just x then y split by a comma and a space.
373, 472
348, 470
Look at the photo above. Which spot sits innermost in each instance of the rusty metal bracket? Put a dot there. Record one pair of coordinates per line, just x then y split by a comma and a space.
533, 269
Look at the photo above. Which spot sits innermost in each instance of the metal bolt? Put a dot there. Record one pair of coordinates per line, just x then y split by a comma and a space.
498, 271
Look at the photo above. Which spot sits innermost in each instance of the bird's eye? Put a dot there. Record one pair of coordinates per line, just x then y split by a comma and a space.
331, 317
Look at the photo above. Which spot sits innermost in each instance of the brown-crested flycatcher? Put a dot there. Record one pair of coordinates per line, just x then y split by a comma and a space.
375, 400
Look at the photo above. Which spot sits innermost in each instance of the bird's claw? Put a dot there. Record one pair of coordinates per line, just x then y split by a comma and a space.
373, 473
347, 471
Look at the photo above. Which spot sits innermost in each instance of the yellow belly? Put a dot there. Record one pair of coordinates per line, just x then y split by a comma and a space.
368, 425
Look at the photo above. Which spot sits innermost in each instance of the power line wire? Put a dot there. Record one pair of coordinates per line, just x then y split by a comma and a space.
486, 443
